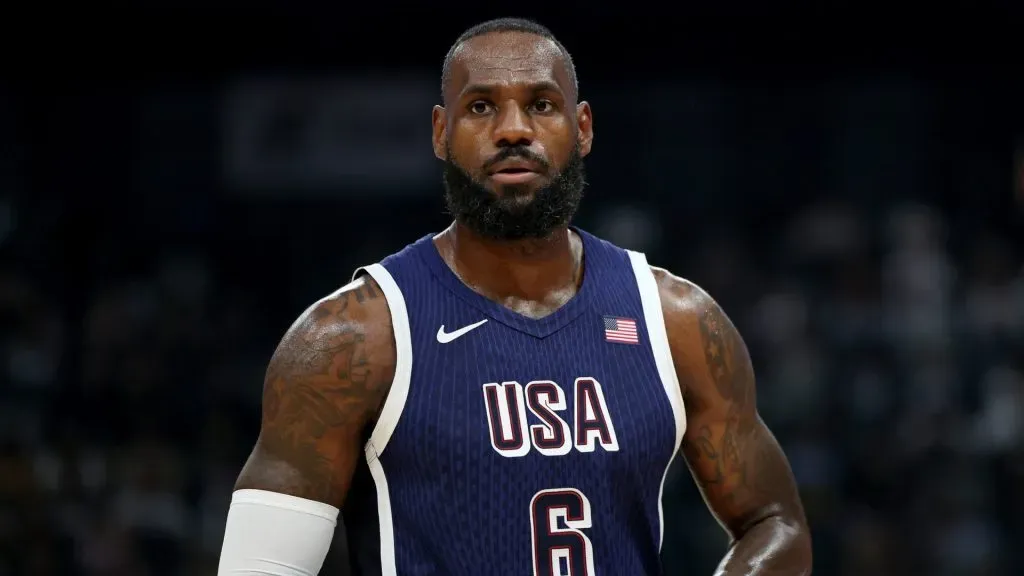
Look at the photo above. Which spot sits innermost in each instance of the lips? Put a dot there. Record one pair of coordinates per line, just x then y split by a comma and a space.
515, 166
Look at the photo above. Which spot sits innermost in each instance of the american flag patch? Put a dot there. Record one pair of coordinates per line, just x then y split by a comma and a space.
622, 330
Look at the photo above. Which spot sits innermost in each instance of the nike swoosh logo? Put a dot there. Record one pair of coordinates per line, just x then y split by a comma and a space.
446, 337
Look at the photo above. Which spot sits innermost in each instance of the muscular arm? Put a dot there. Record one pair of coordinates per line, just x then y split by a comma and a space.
739, 467
324, 385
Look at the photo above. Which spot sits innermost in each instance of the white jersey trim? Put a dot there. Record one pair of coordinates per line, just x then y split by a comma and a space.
650, 297
392, 411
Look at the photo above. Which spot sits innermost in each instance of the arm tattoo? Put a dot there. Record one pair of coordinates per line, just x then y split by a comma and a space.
702, 447
722, 455
320, 390
739, 467
309, 397
365, 292
721, 462
722, 351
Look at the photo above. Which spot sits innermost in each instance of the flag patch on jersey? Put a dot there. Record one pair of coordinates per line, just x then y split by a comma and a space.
622, 330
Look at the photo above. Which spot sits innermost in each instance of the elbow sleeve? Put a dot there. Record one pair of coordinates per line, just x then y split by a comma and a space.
271, 534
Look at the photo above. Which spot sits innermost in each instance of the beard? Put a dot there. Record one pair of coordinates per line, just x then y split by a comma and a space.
512, 214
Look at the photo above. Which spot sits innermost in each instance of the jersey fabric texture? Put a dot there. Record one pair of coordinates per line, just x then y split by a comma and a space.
509, 445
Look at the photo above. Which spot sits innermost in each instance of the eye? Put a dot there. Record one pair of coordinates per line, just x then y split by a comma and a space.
480, 107
544, 106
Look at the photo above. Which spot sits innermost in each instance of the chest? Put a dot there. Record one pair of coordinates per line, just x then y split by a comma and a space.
575, 402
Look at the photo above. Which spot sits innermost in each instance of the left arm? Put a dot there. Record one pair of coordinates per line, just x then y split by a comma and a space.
736, 461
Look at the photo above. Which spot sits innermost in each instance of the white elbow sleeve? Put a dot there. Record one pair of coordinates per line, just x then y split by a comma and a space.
271, 534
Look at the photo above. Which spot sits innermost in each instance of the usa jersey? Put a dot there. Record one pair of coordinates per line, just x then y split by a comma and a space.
515, 446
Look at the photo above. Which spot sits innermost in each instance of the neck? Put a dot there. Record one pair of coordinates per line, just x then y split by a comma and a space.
530, 269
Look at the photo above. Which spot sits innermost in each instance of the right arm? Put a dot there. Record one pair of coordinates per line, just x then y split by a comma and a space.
325, 385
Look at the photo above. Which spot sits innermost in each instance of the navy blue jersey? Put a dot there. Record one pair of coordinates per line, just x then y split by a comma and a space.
514, 446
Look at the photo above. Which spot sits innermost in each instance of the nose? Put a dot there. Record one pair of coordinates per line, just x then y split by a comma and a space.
513, 128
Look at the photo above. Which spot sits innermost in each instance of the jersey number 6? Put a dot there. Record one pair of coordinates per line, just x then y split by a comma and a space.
557, 520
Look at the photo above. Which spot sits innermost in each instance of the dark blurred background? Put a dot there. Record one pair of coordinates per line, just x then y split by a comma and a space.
850, 189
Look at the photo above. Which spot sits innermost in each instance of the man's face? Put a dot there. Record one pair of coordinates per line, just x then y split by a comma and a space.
512, 137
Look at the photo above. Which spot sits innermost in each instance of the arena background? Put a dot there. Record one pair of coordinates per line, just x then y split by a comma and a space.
849, 184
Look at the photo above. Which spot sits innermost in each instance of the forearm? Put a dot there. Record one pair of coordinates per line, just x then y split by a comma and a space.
771, 547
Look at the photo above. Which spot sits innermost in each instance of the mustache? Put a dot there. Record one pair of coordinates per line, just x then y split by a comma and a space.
520, 152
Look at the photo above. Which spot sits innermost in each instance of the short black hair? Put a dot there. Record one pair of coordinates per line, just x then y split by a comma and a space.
506, 25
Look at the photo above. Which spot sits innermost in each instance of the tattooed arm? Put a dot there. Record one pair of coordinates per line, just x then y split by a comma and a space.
324, 387
739, 467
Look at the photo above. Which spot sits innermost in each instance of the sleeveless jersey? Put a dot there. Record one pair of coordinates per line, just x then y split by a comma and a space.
516, 446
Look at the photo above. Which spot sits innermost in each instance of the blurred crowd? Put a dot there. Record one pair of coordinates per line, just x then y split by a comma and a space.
888, 348
890, 358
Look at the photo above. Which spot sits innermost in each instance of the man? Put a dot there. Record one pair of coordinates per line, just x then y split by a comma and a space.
506, 397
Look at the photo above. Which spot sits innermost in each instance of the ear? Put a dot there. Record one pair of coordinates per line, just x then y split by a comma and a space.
439, 120
584, 128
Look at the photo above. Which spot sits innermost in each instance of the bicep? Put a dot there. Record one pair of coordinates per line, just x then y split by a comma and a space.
323, 386
738, 466
306, 447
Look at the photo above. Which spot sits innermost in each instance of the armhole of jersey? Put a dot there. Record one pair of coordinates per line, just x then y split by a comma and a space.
650, 297
395, 401
392, 411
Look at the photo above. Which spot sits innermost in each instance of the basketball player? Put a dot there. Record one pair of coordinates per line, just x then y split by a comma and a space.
505, 397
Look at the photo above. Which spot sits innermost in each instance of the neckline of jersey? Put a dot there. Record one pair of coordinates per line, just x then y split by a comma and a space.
536, 327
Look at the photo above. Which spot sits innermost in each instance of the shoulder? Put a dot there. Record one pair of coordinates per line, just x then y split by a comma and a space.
359, 306
683, 303
699, 331
347, 334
